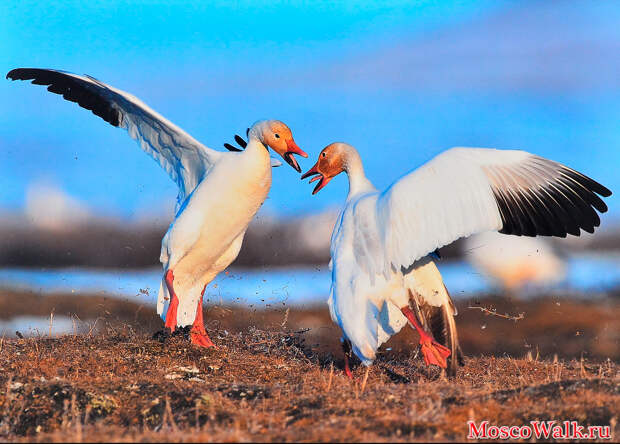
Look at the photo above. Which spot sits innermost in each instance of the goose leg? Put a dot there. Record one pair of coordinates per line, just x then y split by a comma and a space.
171, 314
198, 333
346, 348
433, 352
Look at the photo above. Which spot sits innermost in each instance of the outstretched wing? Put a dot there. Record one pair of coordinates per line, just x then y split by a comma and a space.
185, 159
469, 190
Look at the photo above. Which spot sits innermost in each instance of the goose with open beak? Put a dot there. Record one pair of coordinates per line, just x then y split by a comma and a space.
219, 192
383, 274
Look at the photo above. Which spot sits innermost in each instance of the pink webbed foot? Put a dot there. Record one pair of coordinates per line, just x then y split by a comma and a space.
433, 352
198, 334
201, 339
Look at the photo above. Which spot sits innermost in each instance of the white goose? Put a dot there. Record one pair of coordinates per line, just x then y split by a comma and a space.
382, 240
515, 264
219, 192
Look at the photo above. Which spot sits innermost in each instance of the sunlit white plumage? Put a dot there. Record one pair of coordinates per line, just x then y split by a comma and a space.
382, 240
219, 192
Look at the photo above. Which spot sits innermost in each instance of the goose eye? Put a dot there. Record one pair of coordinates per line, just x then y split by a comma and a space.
277, 136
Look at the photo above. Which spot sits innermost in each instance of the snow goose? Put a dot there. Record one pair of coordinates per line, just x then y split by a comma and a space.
219, 192
382, 244
516, 264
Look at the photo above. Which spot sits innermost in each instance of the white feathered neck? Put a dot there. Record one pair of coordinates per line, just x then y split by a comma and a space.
256, 133
352, 165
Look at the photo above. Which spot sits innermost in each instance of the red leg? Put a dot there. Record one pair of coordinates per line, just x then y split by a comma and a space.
433, 352
171, 314
346, 348
198, 333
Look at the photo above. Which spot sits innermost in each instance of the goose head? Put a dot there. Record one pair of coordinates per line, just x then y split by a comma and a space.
276, 135
333, 160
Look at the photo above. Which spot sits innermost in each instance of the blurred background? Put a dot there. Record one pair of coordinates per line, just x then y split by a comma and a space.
83, 209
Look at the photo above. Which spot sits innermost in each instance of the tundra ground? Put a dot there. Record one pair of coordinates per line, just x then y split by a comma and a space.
277, 375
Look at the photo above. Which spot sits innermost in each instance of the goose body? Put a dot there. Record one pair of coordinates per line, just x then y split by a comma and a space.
207, 233
383, 273
219, 192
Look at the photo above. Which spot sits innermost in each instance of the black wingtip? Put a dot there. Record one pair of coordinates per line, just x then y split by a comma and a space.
11, 74
242, 143
566, 204
230, 147
88, 94
22, 73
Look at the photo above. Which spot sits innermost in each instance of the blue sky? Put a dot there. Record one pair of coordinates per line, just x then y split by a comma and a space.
400, 80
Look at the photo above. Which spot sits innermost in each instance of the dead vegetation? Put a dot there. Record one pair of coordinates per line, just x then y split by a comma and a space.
269, 386
277, 376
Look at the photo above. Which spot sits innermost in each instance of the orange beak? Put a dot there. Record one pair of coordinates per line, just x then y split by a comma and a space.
293, 149
318, 175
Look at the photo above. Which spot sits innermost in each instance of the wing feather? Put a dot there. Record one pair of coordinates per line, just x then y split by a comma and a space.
185, 159
470, 190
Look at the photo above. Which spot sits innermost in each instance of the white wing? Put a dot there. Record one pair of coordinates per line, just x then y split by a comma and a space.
185, 159
469, 190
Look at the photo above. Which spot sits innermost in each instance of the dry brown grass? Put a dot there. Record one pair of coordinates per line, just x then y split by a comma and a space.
269, 386
568, 328
277, 376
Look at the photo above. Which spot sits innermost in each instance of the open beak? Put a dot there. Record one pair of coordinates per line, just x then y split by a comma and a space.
318, 175
288, 155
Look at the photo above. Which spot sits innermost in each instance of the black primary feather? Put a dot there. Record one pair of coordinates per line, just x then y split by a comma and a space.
564, 205
242, 143
91, 96
230, 147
